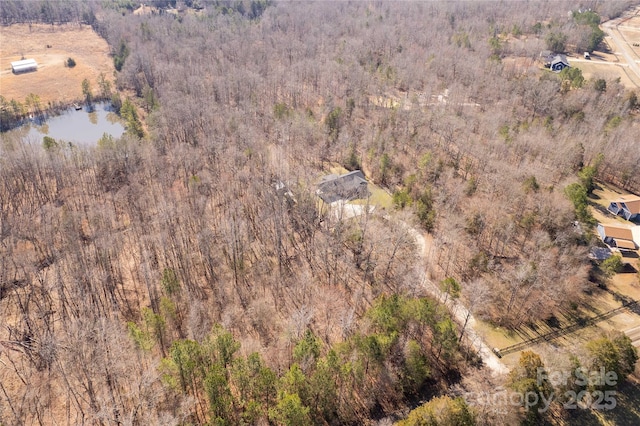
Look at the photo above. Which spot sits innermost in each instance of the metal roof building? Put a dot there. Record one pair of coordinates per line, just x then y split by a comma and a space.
24, 65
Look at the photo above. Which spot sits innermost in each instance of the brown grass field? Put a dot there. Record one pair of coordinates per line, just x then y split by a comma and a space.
628, 31
608, 63
53, 81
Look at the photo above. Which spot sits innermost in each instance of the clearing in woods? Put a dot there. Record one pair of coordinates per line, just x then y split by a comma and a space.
53, 81
623, 52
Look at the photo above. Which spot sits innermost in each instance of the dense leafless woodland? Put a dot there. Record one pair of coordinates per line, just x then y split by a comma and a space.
114, 258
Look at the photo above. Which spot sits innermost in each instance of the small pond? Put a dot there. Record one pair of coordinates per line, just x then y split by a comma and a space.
81, 127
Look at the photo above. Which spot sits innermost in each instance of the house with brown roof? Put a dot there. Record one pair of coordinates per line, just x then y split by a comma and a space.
617, 236
627, 206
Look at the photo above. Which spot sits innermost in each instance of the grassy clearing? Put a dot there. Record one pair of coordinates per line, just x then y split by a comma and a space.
53, 81
379, 196
498, 337
601, 301
593, 70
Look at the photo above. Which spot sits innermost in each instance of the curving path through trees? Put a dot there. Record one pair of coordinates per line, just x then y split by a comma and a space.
459, 312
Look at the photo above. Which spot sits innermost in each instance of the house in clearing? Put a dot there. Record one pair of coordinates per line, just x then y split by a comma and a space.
627, 206
558, 63
617, 236
346, 187
25, 65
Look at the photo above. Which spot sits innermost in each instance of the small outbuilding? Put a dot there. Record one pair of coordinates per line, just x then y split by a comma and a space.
25, 65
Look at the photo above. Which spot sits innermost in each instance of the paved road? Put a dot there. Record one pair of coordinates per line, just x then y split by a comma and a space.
592, 61
612, 29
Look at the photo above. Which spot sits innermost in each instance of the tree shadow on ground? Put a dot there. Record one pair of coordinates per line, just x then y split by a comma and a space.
593, 196
583, 418
573, 319
601, 209
626, 411
553, 322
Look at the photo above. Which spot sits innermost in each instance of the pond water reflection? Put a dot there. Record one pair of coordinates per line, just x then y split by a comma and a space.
82, 127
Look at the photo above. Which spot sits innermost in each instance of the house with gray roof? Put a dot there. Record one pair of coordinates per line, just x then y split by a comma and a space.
346, 187
558, 63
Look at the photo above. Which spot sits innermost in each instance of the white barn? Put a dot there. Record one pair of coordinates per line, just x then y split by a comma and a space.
25, 65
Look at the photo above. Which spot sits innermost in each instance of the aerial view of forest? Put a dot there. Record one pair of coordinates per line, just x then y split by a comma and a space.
319, 213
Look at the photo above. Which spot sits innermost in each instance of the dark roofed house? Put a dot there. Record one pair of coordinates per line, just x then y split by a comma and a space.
616, 236
627, 206
350, 186
558, 63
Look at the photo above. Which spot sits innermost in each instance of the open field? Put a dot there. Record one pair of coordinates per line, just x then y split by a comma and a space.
53, 81
622, 34
630, 30
596, 69
610, 63
600, 302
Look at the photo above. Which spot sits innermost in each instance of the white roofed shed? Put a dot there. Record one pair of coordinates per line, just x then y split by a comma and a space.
24, 65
